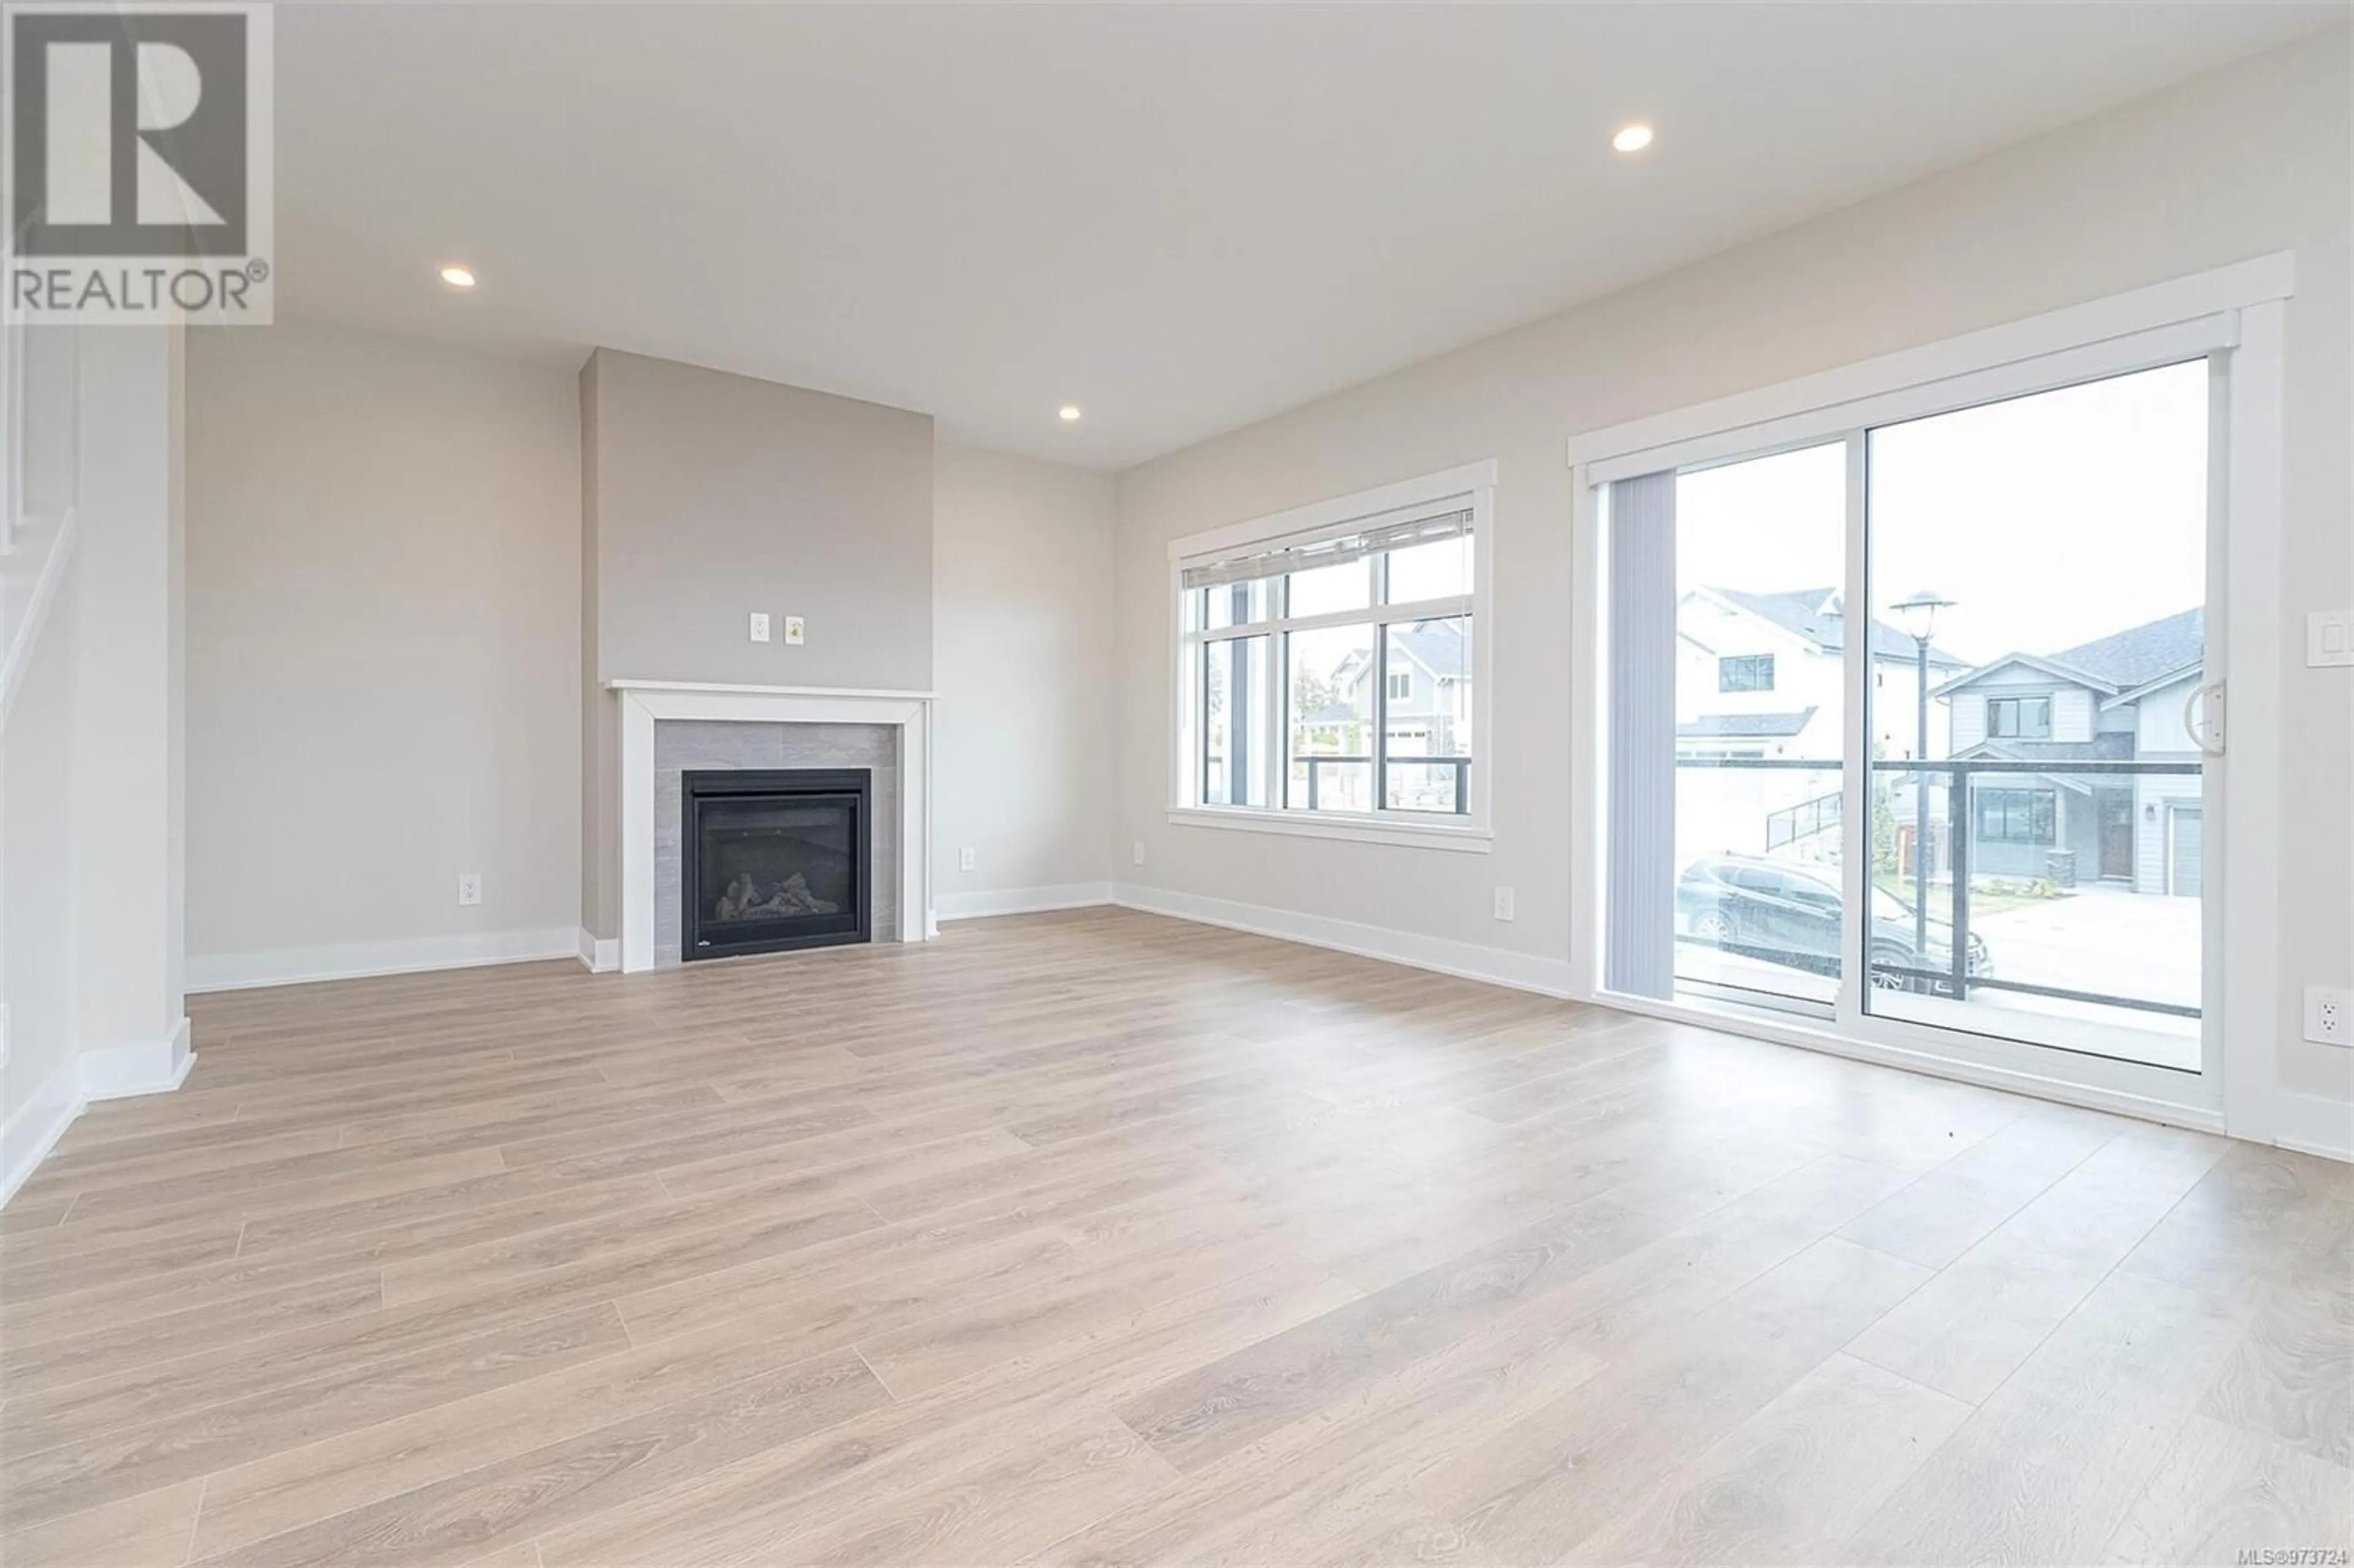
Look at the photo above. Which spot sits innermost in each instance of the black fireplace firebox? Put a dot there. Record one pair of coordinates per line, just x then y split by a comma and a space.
773, 861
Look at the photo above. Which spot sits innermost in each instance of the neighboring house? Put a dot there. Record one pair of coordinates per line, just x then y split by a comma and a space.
1744, 657
1426, 687
1427, 691
1761, 675
2120, 698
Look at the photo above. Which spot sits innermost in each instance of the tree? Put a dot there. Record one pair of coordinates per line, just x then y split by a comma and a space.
1883, 825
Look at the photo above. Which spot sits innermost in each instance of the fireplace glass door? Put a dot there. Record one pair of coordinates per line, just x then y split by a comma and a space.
774, 861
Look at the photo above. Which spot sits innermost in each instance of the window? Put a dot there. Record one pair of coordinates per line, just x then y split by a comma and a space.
1750, 673
2017, 816
1330, 670
2018, 718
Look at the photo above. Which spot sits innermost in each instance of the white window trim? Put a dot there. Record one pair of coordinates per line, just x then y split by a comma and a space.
1472, 485
2240, 309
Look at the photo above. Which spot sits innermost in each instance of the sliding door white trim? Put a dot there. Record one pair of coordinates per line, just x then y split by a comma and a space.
2247, 789
2233, 316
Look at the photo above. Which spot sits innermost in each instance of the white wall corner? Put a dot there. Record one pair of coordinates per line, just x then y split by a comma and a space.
357, 961
120, 1071
38, 1123
1023, 900
599, 955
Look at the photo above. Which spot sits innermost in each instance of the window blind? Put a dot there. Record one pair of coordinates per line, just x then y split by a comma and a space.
1268, 558
1639, 919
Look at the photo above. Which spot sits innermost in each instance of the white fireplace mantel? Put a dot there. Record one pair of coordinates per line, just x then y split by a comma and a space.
645, 703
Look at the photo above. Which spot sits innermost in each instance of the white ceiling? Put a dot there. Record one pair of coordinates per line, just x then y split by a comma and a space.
1182, 217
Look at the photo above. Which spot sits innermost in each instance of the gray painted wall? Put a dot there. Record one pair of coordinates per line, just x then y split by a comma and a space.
716, 496
706, 496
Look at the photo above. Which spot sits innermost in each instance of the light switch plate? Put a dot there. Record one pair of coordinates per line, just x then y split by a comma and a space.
759, 626
2329, 638
793, 629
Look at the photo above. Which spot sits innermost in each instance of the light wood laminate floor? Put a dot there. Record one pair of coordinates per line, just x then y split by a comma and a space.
1103, 1238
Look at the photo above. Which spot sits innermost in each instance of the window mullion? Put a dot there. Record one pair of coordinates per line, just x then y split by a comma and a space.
1380, 736
1278, 707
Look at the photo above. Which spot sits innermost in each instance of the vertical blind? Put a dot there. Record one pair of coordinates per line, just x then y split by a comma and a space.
1639, 904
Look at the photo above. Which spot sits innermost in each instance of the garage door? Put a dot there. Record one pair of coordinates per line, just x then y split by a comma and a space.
2188, 860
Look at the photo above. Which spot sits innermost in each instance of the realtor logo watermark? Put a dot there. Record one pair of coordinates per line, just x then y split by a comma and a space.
136, 144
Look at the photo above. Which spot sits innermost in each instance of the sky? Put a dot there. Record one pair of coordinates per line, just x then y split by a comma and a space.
2051, 520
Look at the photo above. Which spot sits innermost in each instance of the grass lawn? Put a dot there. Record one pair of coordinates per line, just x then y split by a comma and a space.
1941, 896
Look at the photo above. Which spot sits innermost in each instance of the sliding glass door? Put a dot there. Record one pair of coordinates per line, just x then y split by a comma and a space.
1906, 725
2054, 547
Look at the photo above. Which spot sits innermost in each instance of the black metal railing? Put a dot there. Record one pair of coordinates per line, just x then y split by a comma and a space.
1316, 762
1960, 977
1803, 821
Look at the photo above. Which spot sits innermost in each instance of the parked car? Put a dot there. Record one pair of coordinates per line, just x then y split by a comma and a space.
1785, 914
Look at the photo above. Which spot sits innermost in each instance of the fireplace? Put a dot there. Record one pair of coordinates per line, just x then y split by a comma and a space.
774, 861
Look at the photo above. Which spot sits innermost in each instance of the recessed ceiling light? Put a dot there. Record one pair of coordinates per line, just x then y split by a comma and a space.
1632, 138
1070, 413
458, 277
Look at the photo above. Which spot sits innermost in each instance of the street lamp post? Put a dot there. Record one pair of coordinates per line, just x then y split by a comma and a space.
1920, 617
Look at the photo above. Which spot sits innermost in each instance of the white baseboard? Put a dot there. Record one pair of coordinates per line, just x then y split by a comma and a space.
120, 1071
1020, 900
2312, 1124
38, 1123
599, 955
352, 960
112, 1073
1520, 971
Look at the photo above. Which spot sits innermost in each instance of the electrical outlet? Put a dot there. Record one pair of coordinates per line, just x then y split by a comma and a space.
1137, 854
470, 887
2328, 1015
1503, 904
965, 860
759, 626
795, 632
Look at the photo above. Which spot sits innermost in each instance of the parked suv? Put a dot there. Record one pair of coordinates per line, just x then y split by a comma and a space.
1784, 914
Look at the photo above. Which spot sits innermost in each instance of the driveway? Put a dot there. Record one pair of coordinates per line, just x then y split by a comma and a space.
2103, 939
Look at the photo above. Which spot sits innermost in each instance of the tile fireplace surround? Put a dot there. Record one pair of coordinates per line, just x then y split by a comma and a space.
652, 707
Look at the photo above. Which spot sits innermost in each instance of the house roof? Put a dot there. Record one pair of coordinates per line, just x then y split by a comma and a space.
2110, 746
2139, 654
2113, 747
1748, 726
1802, 611
2120, 662
1438, 646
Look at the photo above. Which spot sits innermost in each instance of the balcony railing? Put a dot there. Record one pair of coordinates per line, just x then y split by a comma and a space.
1965, 971
1803, 821
1316, 762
